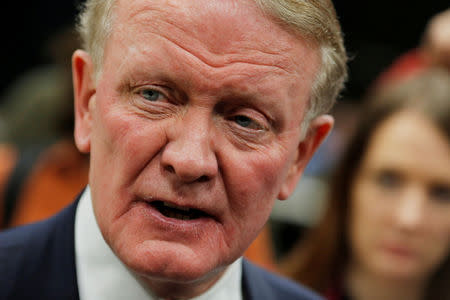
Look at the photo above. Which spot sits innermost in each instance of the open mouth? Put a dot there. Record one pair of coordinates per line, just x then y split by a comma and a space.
177, 212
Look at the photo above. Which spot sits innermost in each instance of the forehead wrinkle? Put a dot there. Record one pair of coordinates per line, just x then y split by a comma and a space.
204, 68
157, 20
226, 60
213, 73
209, 69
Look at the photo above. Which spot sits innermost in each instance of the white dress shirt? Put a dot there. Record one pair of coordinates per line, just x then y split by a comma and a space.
101, 275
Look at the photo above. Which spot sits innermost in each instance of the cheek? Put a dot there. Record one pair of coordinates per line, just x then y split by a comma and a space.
439, 236
123, 144
252, 181
364, 219
443, 249
127, 140
439, 225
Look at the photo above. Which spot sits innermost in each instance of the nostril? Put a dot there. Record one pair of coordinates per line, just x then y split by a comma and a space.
169, 169
186, 176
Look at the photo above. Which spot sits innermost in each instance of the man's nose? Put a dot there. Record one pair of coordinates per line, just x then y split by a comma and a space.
411, 208
189, 153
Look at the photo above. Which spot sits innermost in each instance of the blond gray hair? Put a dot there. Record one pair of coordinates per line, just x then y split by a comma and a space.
316, 20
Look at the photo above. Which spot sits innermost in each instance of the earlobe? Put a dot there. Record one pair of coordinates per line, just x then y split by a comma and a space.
317, 132
84, 94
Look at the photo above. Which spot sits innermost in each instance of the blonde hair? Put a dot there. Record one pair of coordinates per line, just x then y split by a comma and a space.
316, 20
94, 25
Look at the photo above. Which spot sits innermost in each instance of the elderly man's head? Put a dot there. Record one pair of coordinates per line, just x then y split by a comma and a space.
191, 113
314, 20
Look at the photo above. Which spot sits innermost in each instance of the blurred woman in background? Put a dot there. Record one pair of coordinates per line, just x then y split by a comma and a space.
386, 231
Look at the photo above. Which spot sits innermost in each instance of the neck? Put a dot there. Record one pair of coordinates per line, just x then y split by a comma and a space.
365, 285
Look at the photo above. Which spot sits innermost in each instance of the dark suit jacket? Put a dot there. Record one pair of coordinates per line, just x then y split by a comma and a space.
37, 261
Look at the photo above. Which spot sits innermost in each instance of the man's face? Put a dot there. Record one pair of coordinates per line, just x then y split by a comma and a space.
193, 130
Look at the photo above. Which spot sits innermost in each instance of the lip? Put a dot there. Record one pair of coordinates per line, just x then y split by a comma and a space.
157, 217
399, 251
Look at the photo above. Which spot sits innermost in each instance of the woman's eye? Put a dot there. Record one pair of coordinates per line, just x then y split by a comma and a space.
440, 192
388, 179
152, 95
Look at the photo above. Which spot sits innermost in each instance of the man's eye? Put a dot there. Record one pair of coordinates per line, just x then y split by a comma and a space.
152, 95
246, 122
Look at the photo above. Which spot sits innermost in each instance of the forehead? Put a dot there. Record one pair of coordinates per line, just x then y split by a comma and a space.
217, 32
410, 141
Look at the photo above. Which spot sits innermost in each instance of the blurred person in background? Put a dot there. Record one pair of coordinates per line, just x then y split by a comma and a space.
436, 44
433, 51
41, 171
37, 107
385, 233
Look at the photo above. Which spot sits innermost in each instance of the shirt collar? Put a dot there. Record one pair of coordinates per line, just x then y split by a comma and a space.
101, 275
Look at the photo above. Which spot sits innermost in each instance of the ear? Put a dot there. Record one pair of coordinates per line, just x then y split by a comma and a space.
318, 130
84, 94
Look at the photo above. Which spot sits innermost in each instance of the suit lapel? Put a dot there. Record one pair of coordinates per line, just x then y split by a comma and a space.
61, 249
254, 286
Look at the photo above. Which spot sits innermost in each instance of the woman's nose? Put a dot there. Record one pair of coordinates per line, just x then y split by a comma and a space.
410, 211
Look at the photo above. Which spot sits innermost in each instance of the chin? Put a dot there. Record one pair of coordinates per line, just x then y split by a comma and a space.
171, 262
403, 271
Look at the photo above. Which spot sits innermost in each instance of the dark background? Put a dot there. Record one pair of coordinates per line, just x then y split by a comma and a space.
375, 33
